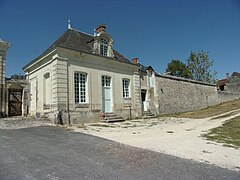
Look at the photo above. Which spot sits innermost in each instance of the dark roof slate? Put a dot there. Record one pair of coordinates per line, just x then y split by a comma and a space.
75, 40
144, 68
237, 74
78, 41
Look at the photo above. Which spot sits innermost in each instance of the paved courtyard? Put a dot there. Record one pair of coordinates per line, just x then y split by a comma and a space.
48, 152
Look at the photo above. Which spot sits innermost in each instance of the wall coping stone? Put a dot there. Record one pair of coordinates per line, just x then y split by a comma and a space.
184, 80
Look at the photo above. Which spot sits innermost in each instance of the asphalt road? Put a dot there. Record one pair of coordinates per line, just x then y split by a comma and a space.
55, 153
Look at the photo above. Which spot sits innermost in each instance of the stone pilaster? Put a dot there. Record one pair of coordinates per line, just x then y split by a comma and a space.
137, 93
156, 94
60, 89
3, 49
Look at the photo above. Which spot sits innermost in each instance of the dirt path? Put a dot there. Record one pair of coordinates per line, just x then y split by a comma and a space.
173, 136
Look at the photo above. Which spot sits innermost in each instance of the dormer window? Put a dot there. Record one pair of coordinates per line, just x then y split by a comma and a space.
102, 42
104, 47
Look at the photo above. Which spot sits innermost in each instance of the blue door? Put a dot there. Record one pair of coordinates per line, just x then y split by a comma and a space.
106, 94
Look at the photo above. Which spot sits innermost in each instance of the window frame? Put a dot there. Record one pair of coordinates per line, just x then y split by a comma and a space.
103, 47
126, 89
80, 88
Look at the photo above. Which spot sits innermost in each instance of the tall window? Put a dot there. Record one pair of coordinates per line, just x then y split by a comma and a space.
80, 80
103, 47
126, 83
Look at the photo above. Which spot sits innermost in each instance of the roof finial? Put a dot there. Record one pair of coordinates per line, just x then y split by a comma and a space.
69, 24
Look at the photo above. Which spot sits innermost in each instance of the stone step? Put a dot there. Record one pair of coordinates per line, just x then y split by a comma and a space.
148, 115
112, 120
111, 117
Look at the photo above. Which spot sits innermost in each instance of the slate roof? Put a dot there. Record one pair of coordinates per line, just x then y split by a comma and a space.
144, 68
78, 41
237, 74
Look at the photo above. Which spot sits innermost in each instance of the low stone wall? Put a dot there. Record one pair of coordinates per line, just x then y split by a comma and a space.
175, 94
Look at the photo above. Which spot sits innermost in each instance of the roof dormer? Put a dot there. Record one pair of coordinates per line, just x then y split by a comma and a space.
102, 42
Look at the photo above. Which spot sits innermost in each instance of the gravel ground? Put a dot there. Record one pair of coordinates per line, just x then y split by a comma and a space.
179, 137
173, 136
23, 122
46, 152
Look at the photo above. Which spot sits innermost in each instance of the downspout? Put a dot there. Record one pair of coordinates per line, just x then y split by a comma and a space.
90, 79
28, 94
36, 102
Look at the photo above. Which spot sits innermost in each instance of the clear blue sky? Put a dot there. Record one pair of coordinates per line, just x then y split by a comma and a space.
155, 31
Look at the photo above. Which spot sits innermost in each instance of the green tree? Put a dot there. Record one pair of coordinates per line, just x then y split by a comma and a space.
18, 76
179, 69
199, 65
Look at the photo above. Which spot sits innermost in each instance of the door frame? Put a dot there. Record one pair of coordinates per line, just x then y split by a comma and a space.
106, 87
144, 100
15, 103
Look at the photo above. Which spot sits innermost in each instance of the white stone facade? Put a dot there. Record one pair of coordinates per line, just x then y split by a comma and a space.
52, 86
3, 49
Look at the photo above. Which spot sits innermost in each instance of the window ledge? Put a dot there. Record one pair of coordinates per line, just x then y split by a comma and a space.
46, 106
85, 105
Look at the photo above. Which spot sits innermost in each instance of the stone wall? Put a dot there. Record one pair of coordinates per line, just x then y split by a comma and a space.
234, 88
174, 95
227, 96
233, 84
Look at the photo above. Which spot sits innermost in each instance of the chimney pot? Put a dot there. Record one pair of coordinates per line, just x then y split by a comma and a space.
227, 75
100, 28
135, 60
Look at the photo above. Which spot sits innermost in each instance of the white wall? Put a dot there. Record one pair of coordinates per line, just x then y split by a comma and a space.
52, 83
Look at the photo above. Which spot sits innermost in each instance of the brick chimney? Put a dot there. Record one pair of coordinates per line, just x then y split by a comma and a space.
100, 28
135, 60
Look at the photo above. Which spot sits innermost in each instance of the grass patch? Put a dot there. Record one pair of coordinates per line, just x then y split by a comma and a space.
225, 115
212, 111
228, 133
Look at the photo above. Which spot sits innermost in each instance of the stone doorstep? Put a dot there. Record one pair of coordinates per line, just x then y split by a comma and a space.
148, 115
111, 117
